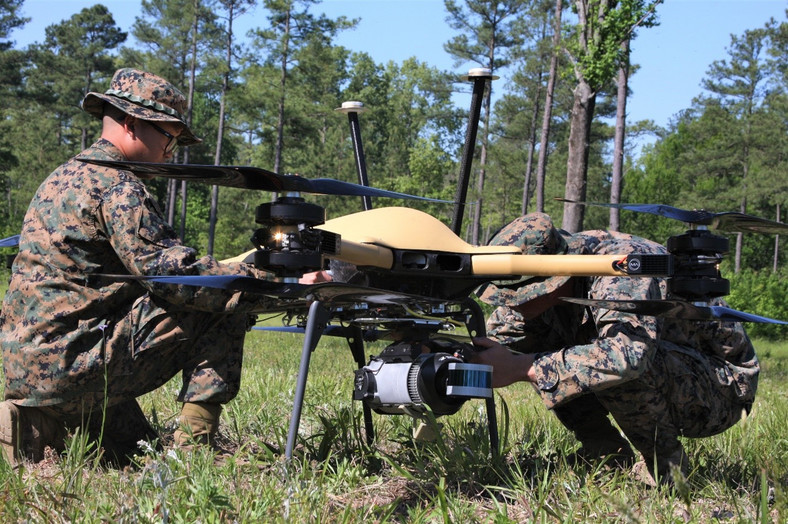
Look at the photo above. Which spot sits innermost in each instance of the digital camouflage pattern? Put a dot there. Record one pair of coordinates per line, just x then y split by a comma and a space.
658, 378
145, 96
67, 338
534, 234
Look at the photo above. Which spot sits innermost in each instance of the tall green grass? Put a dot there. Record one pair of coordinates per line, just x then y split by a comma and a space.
739, 476
336, 476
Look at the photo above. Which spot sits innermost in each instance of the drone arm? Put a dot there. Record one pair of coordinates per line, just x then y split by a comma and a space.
361, 254
548, 265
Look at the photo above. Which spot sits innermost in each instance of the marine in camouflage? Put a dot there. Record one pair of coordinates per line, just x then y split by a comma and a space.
80, 348
658, 378
67, 337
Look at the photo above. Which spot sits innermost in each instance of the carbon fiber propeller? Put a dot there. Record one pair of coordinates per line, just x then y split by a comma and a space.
675, 309
333, 293
729, 221
246, 177
11, 241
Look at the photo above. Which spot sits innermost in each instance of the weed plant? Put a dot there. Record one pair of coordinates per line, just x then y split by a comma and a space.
337, 476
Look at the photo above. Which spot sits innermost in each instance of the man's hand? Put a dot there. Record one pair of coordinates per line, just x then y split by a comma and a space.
315, 277
508, 367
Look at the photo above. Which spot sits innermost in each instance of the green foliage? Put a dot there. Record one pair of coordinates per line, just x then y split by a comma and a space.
596, 40
336, 477
725, 153
492, 29
763, 293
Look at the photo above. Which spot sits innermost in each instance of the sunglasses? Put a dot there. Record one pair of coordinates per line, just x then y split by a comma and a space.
172, 143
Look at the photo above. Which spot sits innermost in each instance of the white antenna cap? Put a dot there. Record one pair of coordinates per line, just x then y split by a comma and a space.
480, 72
352, 106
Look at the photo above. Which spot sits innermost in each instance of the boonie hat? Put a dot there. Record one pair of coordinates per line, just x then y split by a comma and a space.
145, 96
534, 234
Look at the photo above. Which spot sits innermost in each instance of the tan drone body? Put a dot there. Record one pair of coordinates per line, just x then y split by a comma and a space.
369, 238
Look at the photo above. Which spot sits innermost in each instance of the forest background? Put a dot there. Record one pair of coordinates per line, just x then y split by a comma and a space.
556, 126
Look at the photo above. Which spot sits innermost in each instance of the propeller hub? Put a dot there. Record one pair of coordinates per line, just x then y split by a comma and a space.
287, 244
698, 254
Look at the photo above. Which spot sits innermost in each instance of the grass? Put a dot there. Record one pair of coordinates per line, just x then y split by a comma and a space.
739, 476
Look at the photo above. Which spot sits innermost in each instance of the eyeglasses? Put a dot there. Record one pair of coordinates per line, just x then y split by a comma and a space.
172, 143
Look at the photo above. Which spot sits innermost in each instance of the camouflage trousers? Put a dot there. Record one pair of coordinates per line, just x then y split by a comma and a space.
154, 342
681, 394
149, 346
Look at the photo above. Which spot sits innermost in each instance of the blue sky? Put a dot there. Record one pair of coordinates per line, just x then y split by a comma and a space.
673, 57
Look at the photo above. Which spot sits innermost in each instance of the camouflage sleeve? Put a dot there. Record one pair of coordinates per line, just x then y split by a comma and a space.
622, 350
505, 326
147, 245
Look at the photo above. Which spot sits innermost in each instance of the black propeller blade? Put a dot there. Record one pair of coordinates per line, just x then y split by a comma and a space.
11, 241
333, 293
730, 221
675, 309
246, 177
229, 282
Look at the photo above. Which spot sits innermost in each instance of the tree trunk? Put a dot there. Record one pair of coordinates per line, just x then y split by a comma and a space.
84, 130
618, 142
776, 244
577, 162
739, 240
742, 205
217, 159
541, 165
189, 113
530, 162
172, 192
280, 121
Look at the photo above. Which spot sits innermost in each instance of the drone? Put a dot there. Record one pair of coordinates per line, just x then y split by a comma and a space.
404, 277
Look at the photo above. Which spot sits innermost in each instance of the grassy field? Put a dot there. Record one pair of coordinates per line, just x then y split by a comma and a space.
739, 476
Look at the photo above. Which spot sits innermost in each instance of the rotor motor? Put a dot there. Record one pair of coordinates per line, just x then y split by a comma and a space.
698, 254
288, 245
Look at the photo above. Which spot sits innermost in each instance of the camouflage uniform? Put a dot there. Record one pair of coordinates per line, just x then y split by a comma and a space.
71, 342
658, 378
64, 335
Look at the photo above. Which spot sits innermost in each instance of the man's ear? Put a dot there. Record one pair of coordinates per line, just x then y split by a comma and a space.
129, 122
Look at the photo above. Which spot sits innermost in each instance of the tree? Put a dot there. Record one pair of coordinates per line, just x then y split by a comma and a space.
778, 99
12, 63
594, 48
291, 28
184, 34
233, 9
489, 24
417, 119
73, 58
618, 147
517, 112
541, 165
738, 86
50, 79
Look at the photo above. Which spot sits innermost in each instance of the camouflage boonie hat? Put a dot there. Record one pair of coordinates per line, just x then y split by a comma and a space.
534, 234
145, 96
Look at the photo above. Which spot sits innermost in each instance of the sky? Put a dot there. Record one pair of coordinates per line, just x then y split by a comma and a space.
673, 57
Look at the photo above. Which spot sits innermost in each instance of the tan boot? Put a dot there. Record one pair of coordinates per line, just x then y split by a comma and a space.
198, 424
25, 432
615, 453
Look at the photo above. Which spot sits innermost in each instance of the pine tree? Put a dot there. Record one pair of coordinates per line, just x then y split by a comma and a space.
596, 53
485, 35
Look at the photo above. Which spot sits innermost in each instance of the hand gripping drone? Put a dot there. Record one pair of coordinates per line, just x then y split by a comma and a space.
403, 276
